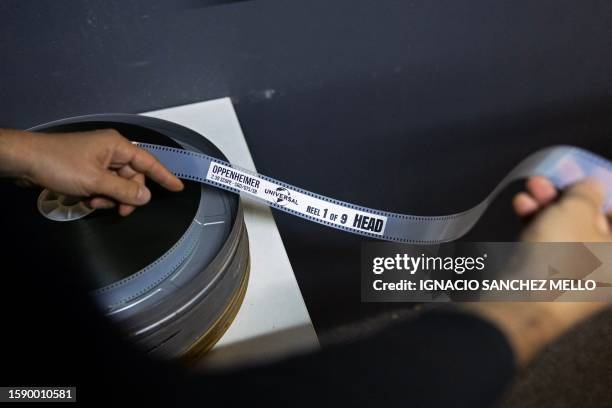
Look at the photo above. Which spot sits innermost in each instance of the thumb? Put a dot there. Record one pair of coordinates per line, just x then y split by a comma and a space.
123, 190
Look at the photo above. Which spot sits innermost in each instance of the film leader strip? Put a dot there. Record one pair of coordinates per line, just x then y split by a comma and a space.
563, 165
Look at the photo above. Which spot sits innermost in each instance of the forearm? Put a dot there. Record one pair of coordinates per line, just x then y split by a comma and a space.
15, 153
530, 326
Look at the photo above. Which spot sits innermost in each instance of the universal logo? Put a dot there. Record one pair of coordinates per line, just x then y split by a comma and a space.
283, 196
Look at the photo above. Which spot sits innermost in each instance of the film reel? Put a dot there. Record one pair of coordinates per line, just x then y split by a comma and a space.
173, 274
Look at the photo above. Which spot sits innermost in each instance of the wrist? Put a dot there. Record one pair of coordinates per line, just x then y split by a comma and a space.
16, 152
529, 326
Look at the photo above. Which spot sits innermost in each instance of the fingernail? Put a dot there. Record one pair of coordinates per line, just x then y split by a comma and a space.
144, 195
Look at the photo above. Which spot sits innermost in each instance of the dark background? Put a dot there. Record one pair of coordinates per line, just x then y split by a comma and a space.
409, 106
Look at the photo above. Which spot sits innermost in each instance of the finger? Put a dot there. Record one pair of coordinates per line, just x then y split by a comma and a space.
123, 190
542, 190
126, 209
144, 162
101, 203
126, 171
524, 204
588, 191
603, 224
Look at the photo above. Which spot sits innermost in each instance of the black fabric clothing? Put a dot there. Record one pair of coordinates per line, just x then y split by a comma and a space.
53, 336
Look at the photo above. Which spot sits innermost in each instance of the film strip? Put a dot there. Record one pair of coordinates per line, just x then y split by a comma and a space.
563, 165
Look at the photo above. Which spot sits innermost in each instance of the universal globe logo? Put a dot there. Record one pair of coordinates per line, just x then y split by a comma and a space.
282, 195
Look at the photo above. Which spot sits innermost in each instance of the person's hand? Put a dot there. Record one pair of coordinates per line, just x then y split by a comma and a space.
574, 216
101, 165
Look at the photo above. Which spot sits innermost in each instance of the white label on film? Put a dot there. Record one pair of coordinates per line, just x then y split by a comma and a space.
313, 207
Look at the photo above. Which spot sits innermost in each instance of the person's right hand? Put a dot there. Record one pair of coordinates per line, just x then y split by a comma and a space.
576, 215
101, 166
